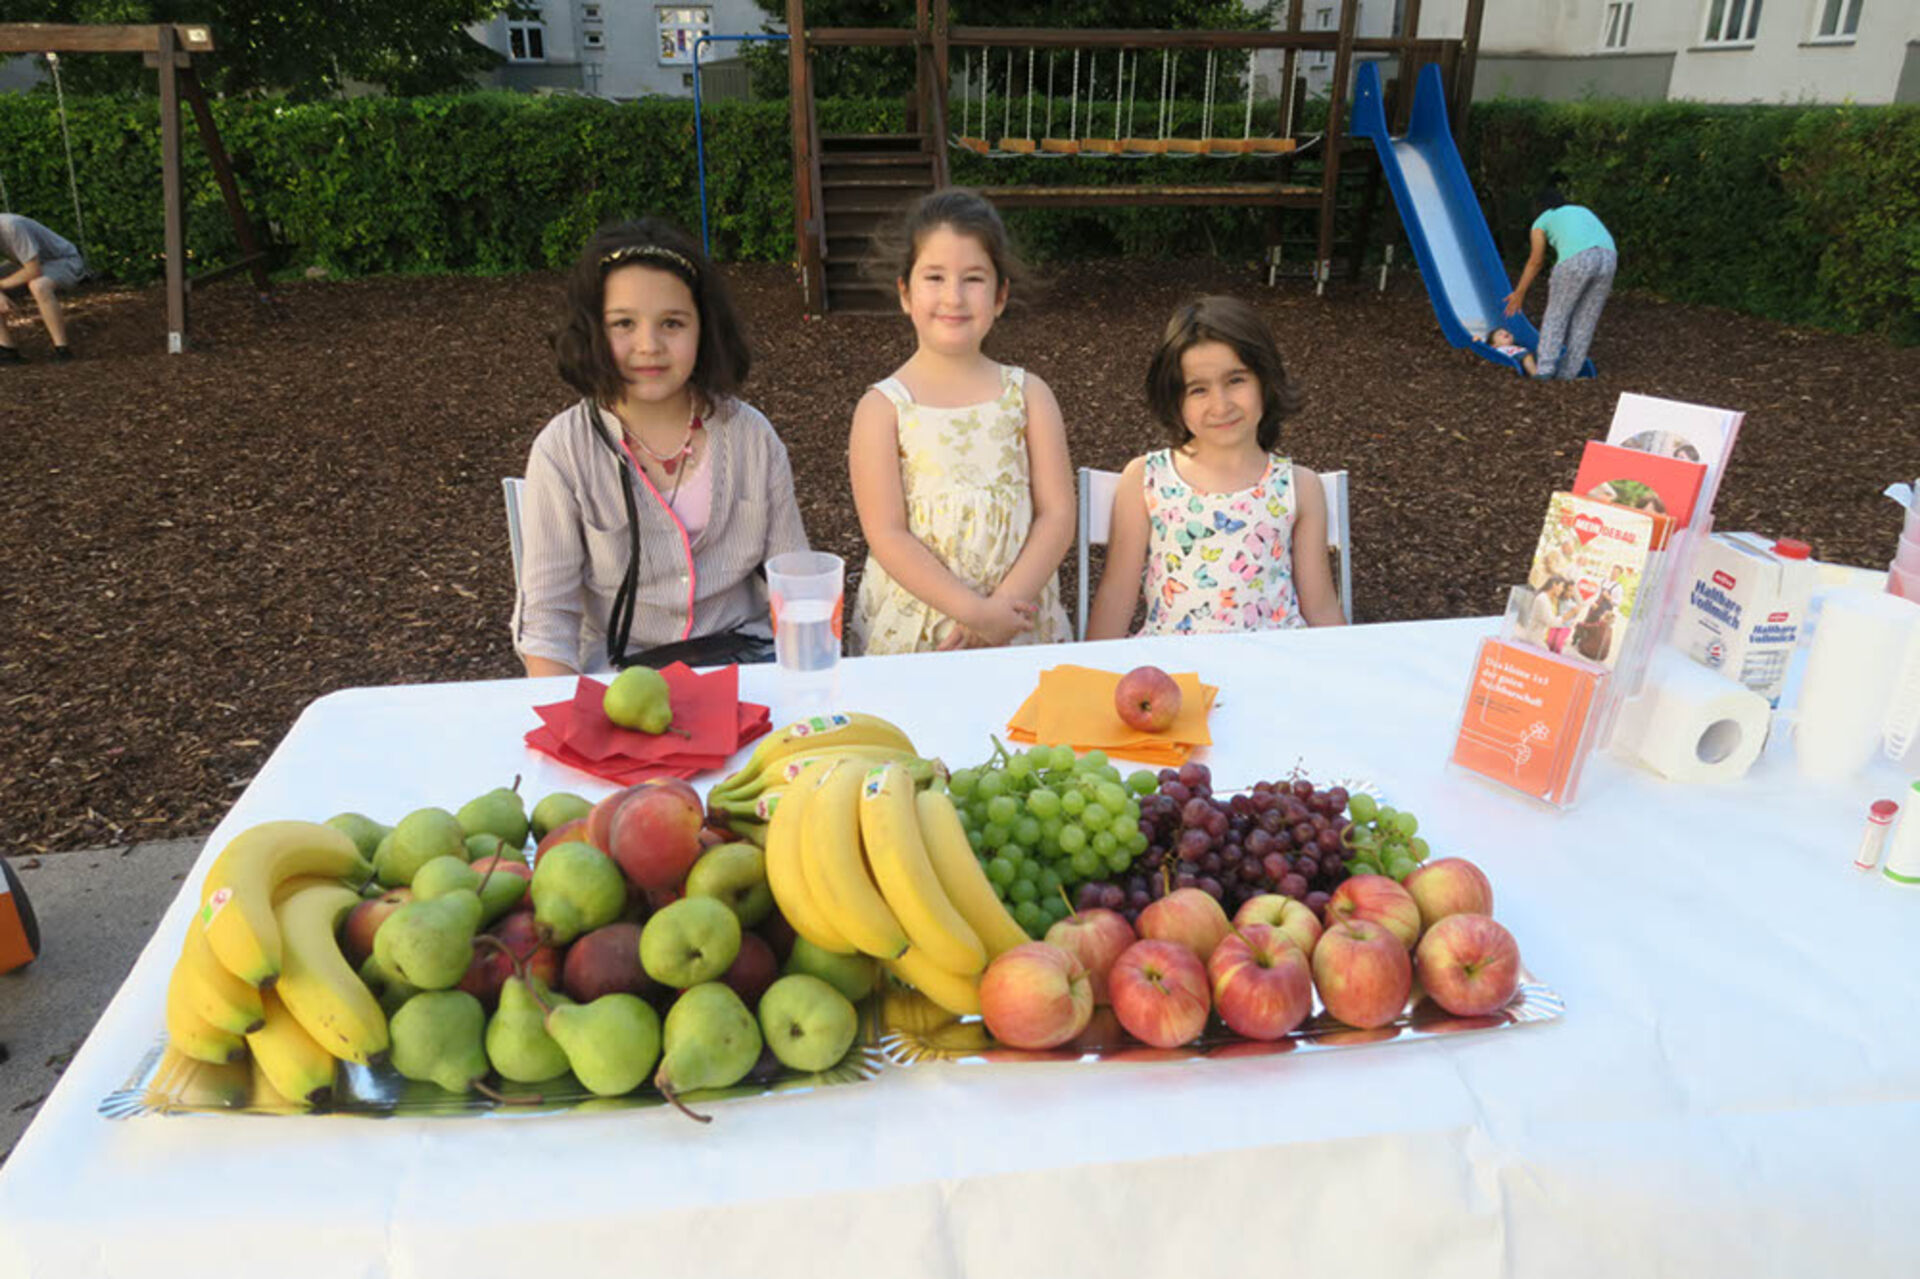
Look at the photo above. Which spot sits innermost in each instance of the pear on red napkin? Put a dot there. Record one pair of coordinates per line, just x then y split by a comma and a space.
707, 707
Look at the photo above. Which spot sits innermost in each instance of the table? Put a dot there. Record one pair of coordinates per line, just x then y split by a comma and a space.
1735, 1088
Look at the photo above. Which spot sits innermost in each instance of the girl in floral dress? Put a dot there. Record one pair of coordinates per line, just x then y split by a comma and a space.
1225, 534
959, 464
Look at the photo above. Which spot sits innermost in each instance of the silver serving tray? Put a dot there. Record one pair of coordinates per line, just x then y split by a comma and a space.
167, 1083
914, 1031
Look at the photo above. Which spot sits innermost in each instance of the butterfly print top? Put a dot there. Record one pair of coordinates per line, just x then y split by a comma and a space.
1219, 561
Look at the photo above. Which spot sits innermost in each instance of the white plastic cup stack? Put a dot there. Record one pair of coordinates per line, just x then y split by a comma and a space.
1853, 672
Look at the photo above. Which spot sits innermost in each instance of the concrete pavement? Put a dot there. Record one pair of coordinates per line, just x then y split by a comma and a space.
97, 908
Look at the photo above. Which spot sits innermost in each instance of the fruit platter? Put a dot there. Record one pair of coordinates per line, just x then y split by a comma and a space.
838, 906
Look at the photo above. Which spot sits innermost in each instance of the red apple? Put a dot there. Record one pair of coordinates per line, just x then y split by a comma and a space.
505, 864
1469, 965
1363, 973
1147, 698
1262, 983
1381, 900
655, 836
1035, 996
575, 831
712, 836
364, 920
1189, 916
1160, 993
779, 934
600, 820
605, 961
1450, 886
489, 969
753, 969
1277, 910
1095, 938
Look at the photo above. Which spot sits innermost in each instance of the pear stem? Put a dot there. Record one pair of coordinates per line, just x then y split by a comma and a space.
665, 1085
519, 965
1072, 911
486, 1090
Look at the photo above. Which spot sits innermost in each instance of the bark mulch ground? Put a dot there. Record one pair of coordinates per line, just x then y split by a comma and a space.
196, 547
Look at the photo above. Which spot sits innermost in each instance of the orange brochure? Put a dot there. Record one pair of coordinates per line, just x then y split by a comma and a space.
1525, 723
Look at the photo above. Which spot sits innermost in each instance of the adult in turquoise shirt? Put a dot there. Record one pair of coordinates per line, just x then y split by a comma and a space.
1578, 288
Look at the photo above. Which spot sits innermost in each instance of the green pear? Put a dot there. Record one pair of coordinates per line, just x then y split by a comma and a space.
485, 845
392, 990
611, 1043
735, 875
712, 1041
438, 1038
365, 833
444, 875
500, 891
420, 836
693, 940
518, 1044
430, 943
500, 812
852, 975
576, 889
807, 1023
639, 698
557, 809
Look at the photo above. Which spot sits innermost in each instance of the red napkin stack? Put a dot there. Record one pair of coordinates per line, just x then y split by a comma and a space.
706, 707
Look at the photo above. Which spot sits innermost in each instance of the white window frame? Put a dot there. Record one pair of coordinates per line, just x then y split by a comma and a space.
1732, 23
1615, 34
529, 31
1840, 11
593, 38
591, 13
667, 19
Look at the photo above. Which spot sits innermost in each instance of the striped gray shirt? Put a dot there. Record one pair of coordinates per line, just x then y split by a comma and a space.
575, 545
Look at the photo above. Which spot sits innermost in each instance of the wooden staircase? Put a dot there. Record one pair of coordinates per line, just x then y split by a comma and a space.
866, 179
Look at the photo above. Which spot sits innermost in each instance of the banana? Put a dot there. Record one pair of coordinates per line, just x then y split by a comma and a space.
955, 992
318, 987
293, 1062
784, 875
193, 1034
783, 771
836, 867
237, 899
220, 998
890, 828
814, 735
962, 876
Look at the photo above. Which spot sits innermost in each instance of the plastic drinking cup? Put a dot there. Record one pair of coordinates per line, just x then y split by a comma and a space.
807, 591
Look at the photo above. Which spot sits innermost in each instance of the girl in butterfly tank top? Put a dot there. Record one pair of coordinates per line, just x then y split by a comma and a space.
1221, 532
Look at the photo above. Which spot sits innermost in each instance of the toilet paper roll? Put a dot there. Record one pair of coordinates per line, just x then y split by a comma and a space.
1692, 724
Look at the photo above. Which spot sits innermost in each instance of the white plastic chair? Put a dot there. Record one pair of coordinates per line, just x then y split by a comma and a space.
1096, 525
511, 485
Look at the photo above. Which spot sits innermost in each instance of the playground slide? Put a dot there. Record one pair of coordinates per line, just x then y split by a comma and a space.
1465, 277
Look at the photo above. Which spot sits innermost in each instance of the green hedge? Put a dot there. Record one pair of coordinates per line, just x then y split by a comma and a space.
1804, 214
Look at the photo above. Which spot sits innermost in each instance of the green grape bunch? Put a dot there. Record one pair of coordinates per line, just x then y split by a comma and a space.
1381, 840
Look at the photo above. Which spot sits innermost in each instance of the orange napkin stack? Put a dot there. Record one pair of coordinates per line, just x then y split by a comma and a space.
1074, 705
707, 708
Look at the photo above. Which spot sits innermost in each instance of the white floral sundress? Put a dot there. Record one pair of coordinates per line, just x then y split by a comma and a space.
969, 498
1219, 561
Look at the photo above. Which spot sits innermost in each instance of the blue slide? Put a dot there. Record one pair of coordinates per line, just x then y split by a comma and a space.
1442, 218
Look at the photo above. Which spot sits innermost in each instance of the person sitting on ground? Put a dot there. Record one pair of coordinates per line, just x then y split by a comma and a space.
47, 263
1502, 340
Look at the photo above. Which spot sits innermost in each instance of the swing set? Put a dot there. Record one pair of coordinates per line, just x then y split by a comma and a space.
170, 49
845, 185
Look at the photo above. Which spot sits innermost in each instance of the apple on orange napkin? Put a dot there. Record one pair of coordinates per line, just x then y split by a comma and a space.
1074, 705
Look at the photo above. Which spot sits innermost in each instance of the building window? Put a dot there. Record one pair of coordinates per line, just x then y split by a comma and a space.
1619, 20
679, 28
526, 42
589, 13
1732, 21
1839, 20
594, 39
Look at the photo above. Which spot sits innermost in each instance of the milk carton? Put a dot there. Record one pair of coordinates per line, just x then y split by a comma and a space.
1743, 610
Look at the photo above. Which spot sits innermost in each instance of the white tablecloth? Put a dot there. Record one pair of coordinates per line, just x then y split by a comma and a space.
1735, 1089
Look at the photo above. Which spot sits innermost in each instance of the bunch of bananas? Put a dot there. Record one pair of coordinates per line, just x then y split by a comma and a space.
261, 971
861, 860
746, 800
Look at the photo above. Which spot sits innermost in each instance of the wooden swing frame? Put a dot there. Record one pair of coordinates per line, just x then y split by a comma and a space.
170, 49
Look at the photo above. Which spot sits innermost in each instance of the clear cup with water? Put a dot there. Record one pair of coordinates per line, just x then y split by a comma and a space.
807, 592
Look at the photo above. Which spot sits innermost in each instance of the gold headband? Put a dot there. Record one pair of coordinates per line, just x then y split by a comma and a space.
633, 252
